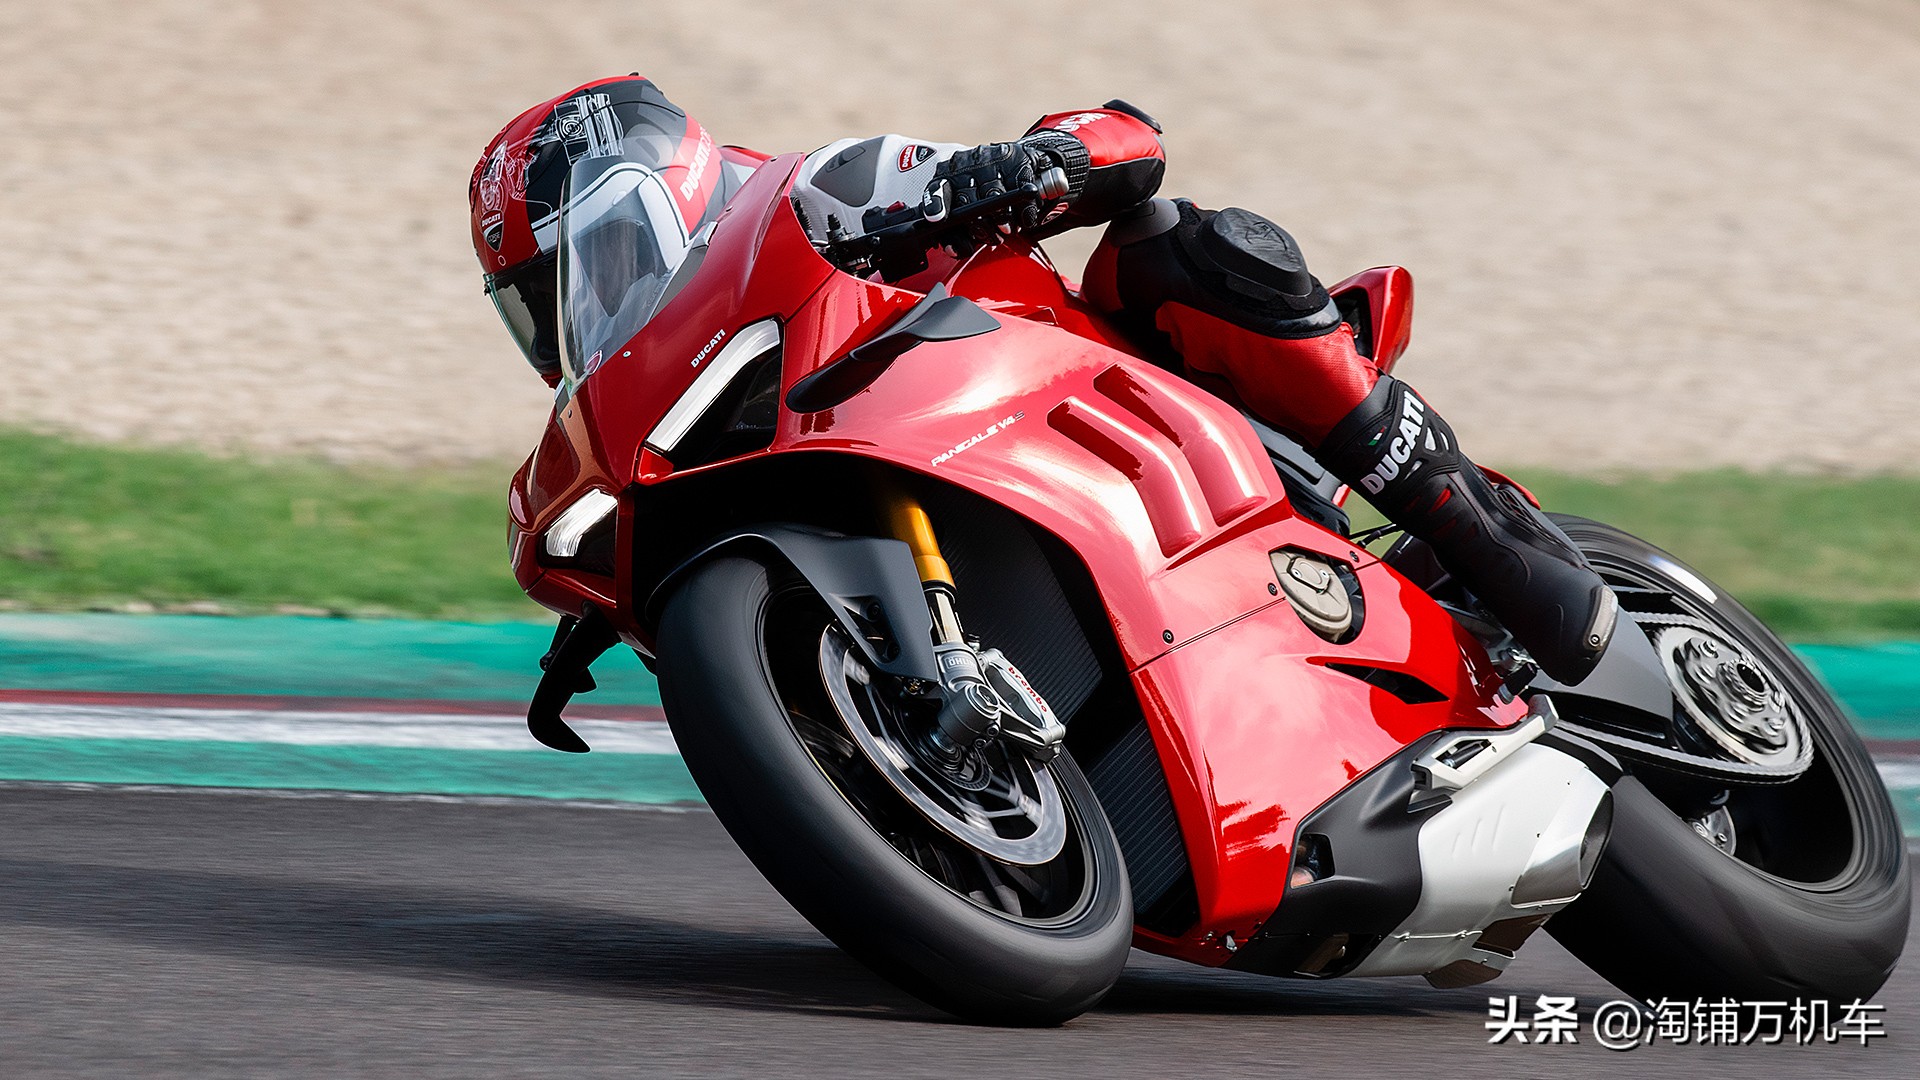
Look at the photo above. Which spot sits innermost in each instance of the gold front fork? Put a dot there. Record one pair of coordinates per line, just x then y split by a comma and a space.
907, 520
973, 710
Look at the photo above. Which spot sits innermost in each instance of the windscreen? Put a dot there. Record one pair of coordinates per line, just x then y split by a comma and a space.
621, 240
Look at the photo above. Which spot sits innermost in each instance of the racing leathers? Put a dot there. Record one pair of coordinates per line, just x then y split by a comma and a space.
1229, 294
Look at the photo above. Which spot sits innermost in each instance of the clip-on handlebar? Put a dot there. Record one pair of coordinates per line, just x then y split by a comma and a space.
897, 241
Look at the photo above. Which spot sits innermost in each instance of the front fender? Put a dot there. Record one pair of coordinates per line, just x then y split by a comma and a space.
869, 584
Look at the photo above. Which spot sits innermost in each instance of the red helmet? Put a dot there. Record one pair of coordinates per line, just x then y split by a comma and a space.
520, 182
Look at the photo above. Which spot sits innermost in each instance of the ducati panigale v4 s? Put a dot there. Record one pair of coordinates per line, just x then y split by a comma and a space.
1000, 649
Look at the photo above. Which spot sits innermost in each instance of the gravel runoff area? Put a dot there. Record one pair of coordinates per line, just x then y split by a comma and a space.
1655, 234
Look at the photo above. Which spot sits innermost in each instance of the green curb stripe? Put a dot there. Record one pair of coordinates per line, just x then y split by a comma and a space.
285, 655
645, 778
1879, 683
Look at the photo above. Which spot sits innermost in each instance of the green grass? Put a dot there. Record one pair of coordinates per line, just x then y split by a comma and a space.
1819, 558
89, 526
86, 526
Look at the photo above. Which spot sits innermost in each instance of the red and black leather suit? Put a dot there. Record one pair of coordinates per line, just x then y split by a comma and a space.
1228, 293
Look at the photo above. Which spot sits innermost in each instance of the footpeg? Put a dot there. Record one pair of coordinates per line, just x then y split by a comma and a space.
1463, 757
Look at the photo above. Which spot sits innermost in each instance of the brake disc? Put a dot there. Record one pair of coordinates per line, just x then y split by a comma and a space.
998, 801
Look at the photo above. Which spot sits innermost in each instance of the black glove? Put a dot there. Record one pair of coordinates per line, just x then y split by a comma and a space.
984, 172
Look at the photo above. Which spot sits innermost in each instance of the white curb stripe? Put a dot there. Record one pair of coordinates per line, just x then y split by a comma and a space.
448, 732
321, 794
1899, 772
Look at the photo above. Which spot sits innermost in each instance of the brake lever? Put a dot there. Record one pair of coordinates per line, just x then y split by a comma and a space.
1050, 185
936, 214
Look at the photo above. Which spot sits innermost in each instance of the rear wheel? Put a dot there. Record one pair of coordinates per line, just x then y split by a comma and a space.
994, 890
1755, 853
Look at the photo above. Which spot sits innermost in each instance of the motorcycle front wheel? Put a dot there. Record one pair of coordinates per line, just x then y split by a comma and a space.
762, 694
1711, 887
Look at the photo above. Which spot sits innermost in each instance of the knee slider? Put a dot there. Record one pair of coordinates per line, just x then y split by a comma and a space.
1232, 264
1249, 249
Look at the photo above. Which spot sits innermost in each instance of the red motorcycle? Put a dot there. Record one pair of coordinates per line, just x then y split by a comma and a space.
999, 648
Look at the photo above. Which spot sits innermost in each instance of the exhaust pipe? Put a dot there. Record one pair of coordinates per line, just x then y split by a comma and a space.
1519, 839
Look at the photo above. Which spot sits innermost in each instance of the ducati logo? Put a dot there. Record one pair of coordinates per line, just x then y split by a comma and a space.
1413, 419
912, 155
702, 354
493, 220
697, 167
1078, 121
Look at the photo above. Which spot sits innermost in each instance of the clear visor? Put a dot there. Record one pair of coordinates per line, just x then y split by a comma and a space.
621, 240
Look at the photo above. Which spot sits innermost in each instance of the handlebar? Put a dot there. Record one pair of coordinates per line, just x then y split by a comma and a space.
913, 229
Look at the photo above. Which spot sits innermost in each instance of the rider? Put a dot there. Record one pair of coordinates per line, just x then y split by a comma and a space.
1227, 292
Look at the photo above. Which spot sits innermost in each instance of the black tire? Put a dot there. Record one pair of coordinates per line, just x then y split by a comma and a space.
736, 641
1813, 899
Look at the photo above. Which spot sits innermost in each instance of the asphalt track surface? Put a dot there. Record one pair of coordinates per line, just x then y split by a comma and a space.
210, 934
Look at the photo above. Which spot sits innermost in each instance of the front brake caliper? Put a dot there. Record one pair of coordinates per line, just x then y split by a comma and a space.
1026, 718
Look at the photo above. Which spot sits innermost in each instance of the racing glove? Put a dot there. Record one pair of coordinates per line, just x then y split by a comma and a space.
992, 169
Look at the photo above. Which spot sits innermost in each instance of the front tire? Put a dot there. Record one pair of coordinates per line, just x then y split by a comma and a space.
746, 697
1772, 892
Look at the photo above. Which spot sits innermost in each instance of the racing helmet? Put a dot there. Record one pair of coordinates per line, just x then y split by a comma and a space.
521, 185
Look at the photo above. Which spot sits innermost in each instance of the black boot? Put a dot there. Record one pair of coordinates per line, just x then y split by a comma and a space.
1401, 456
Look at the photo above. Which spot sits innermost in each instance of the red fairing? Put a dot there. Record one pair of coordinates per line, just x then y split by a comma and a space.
1389, 292
605, 423
740, 155
1255, 732
1111, 137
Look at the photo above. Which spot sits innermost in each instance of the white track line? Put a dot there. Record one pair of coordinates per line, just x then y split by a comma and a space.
438, 731
1899, 772
304, 794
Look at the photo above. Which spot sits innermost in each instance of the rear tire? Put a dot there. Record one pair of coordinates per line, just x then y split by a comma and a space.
1811, 901
744, 694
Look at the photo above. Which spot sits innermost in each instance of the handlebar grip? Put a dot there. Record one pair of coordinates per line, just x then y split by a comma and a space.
1054, 183
934, 206
935, 216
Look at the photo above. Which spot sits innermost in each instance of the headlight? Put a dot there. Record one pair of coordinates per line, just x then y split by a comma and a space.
749, 344
576, 521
